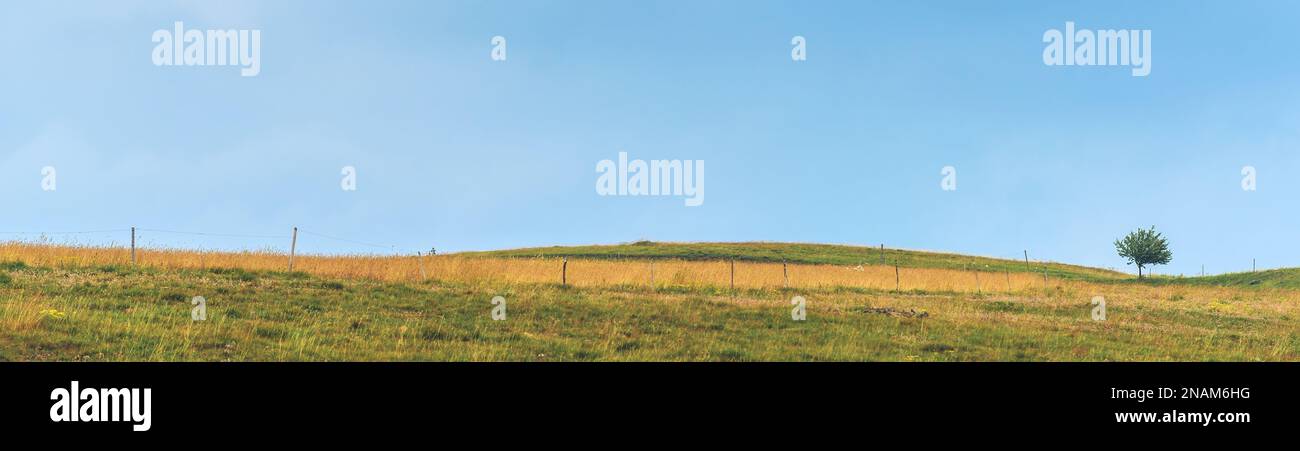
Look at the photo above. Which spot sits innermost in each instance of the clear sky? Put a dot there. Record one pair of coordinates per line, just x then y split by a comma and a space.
458, 151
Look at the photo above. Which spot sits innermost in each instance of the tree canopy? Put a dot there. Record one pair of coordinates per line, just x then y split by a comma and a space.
1144, 247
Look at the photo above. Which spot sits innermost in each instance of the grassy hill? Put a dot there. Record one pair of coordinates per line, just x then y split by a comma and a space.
68, 311
806, 254
1285, 278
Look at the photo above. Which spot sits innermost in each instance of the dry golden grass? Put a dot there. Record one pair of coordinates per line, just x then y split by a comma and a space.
581, 272
355, 312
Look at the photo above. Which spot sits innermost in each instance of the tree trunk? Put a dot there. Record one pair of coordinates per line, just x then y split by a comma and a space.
1139, 272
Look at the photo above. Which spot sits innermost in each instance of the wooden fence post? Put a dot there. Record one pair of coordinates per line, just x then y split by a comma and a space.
1008, 279
733, 276
564, 272
882, 253
1027, 268
896, 283
978, 289
293, 247
132, 245
785, 274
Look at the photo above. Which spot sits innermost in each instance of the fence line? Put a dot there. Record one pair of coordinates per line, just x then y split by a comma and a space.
292, 237
66, 233
215, 234
564, 279
345, 240
229, 235
785, 277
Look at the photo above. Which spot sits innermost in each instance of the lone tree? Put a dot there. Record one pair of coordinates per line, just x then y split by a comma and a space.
1144, 247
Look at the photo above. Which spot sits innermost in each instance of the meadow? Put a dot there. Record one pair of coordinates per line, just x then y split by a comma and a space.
70, 303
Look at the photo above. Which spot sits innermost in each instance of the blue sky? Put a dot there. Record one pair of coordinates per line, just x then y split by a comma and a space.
458, 151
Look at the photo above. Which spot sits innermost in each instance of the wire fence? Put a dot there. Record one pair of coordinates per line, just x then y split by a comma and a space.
724, 272
227, 235
134, 235
888, 269
67, 233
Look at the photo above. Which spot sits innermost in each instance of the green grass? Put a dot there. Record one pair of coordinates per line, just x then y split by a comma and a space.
807, 254
1286, 278
124, 313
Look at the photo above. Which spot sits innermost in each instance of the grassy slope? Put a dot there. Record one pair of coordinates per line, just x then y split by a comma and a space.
1286, 278
806, 253
123, 313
